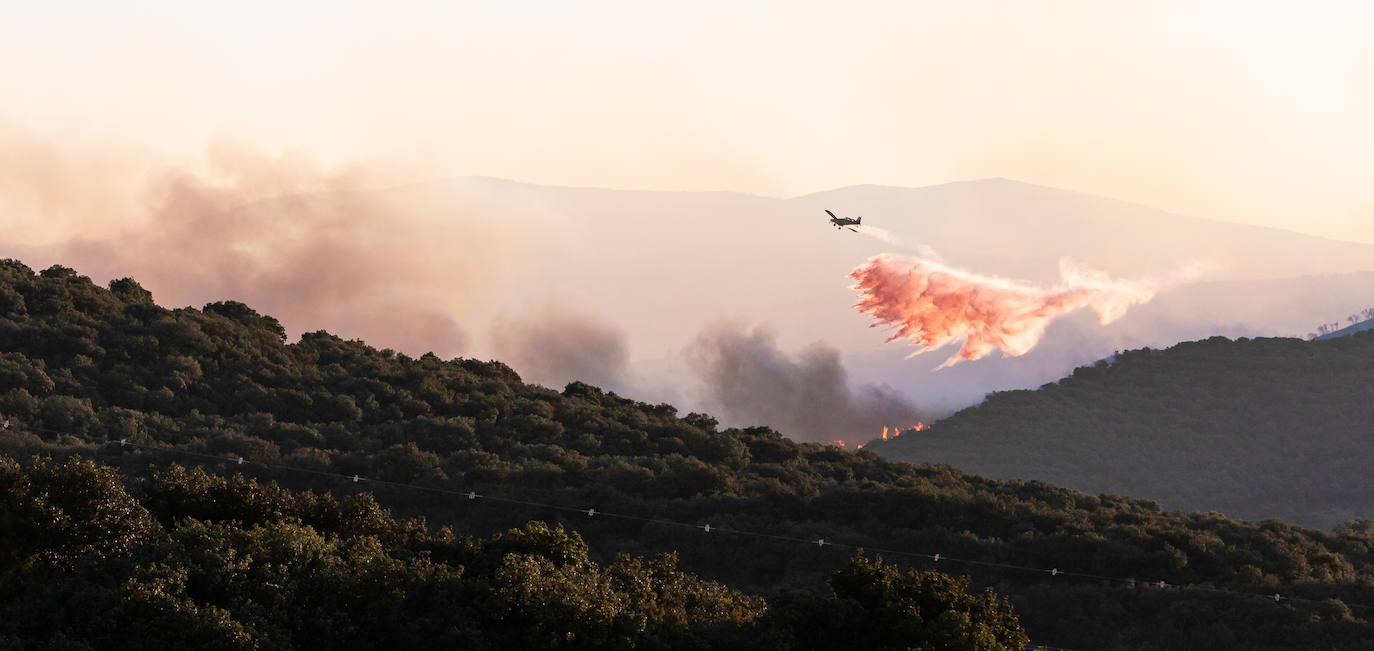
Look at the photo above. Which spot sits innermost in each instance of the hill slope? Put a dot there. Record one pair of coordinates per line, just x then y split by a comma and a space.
85, 366
1254, 428
1367, 324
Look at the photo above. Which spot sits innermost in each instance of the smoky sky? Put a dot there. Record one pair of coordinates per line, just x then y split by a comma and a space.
293, 240
557, 345
428, 267
749, 380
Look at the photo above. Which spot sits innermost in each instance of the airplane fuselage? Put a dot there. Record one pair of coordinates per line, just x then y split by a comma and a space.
844, 222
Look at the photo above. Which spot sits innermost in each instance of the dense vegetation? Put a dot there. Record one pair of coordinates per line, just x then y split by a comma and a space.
191, 560
80, 363
1253, 428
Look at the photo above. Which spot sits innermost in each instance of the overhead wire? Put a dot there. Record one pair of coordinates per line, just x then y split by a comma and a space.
706, 527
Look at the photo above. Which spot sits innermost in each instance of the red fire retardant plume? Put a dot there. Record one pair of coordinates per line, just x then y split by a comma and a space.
932, 305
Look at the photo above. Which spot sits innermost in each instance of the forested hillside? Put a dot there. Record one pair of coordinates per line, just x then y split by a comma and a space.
82, 367
1253, 428
190, 560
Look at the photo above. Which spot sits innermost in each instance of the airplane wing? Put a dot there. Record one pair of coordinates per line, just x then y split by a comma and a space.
832, 215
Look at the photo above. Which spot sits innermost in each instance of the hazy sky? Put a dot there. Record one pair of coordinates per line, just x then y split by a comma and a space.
1256, 112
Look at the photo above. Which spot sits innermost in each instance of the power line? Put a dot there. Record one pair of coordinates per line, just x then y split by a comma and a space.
706, 527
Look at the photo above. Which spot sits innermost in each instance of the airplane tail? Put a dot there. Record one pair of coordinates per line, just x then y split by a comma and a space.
858, 220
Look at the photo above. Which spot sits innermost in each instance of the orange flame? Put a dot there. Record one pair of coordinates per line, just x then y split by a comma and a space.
933, 305
837, 443
896, 430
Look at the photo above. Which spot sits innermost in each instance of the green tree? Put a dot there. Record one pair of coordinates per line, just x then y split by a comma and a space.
877, 606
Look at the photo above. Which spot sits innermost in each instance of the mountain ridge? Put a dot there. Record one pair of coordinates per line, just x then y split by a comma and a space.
980, 181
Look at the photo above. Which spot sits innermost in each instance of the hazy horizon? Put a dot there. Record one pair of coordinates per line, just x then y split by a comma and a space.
1226, 110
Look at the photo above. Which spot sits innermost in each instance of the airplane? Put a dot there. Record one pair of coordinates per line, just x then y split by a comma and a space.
844, 222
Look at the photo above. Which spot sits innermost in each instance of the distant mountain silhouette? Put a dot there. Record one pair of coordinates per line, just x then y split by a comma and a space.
1022, 230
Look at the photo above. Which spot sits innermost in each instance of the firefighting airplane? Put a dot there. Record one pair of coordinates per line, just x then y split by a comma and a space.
844, 222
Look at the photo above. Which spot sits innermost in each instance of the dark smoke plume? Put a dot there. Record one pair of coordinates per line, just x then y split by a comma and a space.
807, 397
557, 346
248, 229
